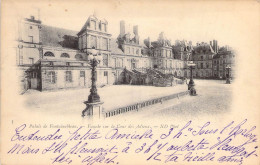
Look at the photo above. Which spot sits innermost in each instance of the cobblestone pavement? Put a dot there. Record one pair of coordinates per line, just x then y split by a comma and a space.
214, 98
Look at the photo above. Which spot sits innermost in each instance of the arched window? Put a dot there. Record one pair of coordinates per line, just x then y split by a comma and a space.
65, 55
49, 54
78, 56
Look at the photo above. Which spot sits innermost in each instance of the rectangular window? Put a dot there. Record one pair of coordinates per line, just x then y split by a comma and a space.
105, 60
133, 50
128, 50
120, 62
68, 76
51, 77
82, 73
201, 65
93, 41
114, 62
67, 64
105, 73
31, 60
104, 44
30, 39
84, 41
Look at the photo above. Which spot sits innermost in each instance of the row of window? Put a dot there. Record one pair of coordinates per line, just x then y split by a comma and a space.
221, 61
52, 77
94, 41
63, 55
163, 53
118, 62
203, 74
134, 51
98, 25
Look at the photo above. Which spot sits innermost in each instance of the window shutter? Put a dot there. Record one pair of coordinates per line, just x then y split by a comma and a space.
55, 75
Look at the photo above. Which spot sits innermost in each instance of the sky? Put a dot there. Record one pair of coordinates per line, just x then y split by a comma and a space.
199, 21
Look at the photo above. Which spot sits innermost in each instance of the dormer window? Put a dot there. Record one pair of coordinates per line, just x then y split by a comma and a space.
103, 27
93, 24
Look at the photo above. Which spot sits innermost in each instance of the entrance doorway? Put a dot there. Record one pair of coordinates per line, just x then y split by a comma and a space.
34, 81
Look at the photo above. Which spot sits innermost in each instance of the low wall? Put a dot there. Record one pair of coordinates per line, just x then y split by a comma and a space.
143, 104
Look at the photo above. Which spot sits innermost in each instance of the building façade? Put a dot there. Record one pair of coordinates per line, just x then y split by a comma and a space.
54, 58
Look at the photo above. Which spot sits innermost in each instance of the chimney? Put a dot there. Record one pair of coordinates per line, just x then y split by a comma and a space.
32, 17
135, 30
227, 48
122, 28
215, 46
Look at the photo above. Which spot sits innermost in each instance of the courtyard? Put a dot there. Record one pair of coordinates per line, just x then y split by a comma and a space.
214, 97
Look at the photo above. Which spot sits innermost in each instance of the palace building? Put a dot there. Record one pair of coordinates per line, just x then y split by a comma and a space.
202, 56
55, 58
223, 59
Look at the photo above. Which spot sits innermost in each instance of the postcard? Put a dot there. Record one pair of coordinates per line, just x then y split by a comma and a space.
130, 82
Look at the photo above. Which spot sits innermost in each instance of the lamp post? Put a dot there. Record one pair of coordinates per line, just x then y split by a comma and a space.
93, 101
191, 83
228, 68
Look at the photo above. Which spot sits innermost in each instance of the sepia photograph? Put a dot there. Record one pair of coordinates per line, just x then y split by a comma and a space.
130, 82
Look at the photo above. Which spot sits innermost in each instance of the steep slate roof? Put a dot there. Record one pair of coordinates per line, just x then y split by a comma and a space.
53, 36
222, 53
114, 47
205, 48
